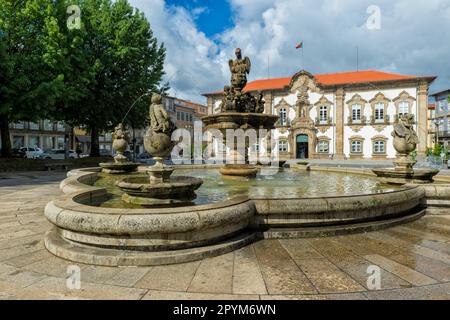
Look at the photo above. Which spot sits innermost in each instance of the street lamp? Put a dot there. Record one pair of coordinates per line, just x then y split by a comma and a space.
437, 123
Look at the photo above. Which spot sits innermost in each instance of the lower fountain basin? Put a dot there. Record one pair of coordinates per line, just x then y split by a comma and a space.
176, 190
227, 214
118, 167
419, 175
239, 170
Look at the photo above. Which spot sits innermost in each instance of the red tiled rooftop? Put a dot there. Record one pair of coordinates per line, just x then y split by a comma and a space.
340, 78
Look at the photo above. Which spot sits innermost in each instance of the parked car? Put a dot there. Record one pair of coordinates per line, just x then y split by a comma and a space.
57, 154
31, 152
128, 154
144, 156
105, 153
18, 153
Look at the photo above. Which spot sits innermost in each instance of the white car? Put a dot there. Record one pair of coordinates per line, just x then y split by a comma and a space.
32, 152
57, 154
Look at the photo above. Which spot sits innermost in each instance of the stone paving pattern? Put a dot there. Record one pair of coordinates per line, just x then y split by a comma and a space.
414, 261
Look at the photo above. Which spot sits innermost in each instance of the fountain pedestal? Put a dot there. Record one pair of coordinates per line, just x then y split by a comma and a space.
405, 142
237, 163
158, 188
121, 163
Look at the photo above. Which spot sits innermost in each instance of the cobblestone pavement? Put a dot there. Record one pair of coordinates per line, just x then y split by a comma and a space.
414, 260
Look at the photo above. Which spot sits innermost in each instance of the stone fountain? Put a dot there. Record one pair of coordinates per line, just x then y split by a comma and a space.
121, 163
405, 142
240, 110
159, 188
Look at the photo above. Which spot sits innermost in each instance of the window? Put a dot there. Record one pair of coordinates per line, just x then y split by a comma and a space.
33, 141
441, 105
60, 126
356, 146
108, 136
282, 146
379, 146
255, 147
323, 113
283, 116
356, 112
48, 143
323, 146
19, 125
178, 115
48, 125
33, 125
379, 112
403, 108
18, 142
59, 143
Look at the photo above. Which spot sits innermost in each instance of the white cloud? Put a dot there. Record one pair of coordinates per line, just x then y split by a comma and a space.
411, 40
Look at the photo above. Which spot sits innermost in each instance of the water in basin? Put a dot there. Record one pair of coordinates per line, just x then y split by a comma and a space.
283, 184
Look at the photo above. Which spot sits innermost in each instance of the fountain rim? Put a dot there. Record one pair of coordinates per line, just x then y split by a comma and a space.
76, 190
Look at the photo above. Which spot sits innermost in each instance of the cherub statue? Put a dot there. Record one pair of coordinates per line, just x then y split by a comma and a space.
120, 133
159, 118
239, 69
227, 100
259, 102
404, 129
120, 142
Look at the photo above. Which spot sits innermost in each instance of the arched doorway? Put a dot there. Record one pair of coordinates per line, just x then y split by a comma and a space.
302, 146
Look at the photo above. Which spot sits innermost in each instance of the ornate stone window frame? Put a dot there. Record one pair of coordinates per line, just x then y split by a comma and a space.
323, 139
287, 146
356, 99
283, 104
403, 97
323, 102
379, 155
356, 154
379, 98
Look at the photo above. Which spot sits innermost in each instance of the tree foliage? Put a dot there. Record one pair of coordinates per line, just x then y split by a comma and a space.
87, 76
109, 62
28, 88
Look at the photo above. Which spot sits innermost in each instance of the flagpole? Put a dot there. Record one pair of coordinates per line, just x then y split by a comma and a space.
303, 56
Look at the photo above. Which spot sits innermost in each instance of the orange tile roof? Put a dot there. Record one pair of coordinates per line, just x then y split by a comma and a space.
340, 78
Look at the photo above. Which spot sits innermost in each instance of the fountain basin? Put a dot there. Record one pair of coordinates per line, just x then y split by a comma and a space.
175, 190
89, 233
118, 167
239, 170
395, 176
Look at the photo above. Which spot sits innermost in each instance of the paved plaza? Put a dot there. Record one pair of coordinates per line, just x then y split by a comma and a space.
414, 260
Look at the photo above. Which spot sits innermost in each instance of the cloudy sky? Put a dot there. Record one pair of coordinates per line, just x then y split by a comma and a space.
400, 36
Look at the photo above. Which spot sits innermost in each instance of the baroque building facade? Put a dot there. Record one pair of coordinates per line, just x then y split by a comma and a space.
348, 115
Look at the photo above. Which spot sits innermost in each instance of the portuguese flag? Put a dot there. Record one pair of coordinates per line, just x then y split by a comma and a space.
299, 45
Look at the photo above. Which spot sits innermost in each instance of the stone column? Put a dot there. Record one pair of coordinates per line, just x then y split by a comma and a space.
210, 104
422, 113
268, 98
340, 105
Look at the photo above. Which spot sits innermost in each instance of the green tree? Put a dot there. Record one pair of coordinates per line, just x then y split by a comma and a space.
110, 61
28, 88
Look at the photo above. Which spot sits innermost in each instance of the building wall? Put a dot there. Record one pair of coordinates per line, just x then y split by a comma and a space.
368, 133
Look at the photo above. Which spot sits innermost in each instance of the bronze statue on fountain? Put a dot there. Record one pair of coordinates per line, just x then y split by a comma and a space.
240, 110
